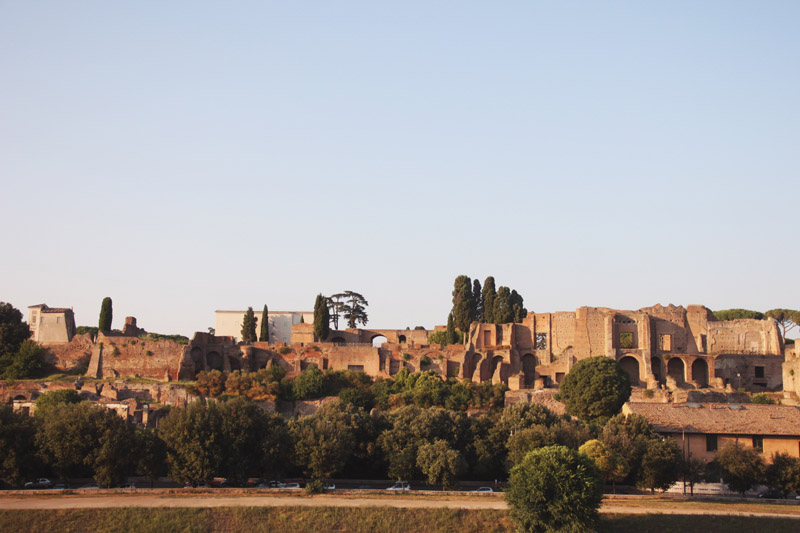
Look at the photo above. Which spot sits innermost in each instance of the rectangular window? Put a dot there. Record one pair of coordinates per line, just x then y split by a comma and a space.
665, 343
626, 340
355, 368
58, 320
540, 341
760, 372
487, 338
758, 443
711, 443
703, 344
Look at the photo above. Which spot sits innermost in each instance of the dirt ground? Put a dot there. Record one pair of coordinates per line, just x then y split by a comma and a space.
98, 501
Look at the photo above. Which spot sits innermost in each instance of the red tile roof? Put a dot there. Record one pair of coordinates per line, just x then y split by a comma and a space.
719, 418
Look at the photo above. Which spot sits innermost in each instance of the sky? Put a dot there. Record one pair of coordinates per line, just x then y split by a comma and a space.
185, 157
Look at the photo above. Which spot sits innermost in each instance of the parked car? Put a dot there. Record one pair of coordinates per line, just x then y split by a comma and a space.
484, 489
89, 486
365, 487
41, 483
288, 485
329, 486
773, 494
129, 486
268, 485
400, 485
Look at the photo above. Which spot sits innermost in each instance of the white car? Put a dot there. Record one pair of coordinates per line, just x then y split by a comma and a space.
329, 486
484, 489
41, 483
288, 485
400, 485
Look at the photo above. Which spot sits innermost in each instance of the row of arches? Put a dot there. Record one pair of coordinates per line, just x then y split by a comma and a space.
675, 368
212, 360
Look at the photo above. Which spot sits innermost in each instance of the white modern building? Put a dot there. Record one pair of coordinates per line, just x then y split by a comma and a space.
229, 323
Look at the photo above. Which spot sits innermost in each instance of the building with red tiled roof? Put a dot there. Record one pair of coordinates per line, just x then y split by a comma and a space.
700, 429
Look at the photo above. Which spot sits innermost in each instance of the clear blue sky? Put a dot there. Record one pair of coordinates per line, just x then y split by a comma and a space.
183, 157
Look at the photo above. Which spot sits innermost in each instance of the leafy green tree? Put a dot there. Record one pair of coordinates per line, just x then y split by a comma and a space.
334, 304
114, 455
151, 455
353, 307
194, 440
440, 463
693, 470
742, 468
13, 331
784, 473
263, 334
358, 397
211, 383
106, 315
463, 305
503, 306
309, 384
325, 440
488, 296
595, 389
787, 318
612, 466
762, 398
517, 306
17, 449
735, 314
412, 427
554, 489
628, 436
661, 465
477, 301
322, 318
28, 362
249, 326
450, 332
56, 397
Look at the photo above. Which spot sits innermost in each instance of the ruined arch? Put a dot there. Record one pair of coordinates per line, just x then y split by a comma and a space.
472, 364
401, 339
631, 366
700, 373
658, 369
197, 358
376, 340
234, 362
676, 369
214, 361
20, 398
529, 369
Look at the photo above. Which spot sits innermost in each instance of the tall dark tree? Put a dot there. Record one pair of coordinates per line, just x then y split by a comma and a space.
249, 326
450, 332
353, 307
13, 331
477, 301
322, 318
106, 315
463, 306
488, 295
334, 309
263, 335
517, 306
503, 307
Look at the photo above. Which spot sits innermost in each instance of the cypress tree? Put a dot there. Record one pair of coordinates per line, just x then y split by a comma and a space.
503, 307
462, 303
249, 326
518, 307
322, 318
477, 299
263, 335
488, 295
106, 315
450, 332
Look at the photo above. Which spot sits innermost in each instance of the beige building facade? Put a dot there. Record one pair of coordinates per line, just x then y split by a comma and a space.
229, 323
50, 325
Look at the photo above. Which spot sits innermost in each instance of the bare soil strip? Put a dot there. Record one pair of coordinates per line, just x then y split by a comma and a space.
69, 501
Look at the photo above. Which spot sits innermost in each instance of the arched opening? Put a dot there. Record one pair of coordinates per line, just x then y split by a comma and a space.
338, 340
377, 341
472, 364
234, 362
676, 369
700, 373
529, 369
214, 360
658, 369
20, 398
401, 339
197, 358
631, 366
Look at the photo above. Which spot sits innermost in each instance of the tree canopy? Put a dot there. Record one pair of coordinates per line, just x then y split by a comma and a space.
488, 295
263, 334
13, 331
787, 318
249, 326
463, 304
322, 317
554, 489
742, 468
595, 389
106, 315
735, 314
353, 307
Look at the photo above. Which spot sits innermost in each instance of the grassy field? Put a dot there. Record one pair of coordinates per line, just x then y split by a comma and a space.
333, 519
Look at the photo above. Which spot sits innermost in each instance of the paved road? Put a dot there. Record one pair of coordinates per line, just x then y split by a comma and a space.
201, 500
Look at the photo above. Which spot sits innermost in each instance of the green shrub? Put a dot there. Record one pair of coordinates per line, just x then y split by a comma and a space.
425, 360
406, 357
762, 398
283, 350
148, 352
